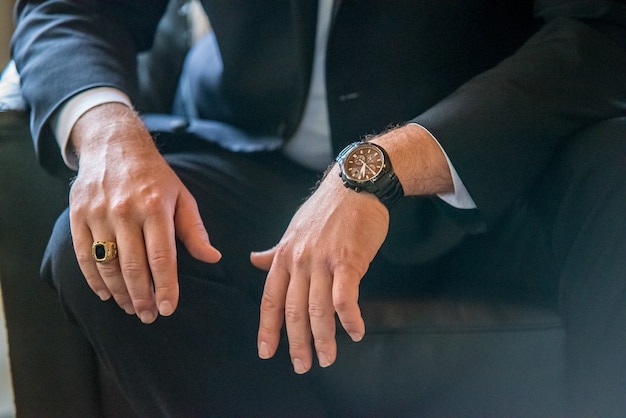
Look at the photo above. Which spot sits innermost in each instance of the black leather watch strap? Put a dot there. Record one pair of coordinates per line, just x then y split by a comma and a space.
389, 189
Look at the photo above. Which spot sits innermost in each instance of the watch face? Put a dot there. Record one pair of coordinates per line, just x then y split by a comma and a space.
364, 163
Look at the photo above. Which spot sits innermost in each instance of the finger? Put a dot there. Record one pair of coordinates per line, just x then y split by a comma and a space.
135, 271
114, 280
262, 259
297, 321
272, 312
191, 231
82, 239
322, 318
104, 278
161, 252
346, 302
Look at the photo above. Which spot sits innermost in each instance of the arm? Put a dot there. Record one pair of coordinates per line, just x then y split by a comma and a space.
63, 47
511, 119
124, 191
64, 120
508, 121
315, 269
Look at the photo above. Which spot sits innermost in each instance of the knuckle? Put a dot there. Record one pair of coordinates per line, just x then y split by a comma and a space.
282, 253
82, 209
341, 302
153, 204
318, 310
199, 229
84, 257
300, 259
269, 302
131, 269
161, 259
293, 314
289, 255
142, 302
122, 209
108, 269
166, 287
267, 328
120, 294
321, 342
298, 345
77, 210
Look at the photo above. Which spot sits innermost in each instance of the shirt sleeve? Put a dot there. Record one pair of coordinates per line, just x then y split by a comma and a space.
63, 121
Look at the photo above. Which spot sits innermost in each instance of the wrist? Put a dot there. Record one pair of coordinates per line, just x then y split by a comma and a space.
62, 122
108, 129
417, 159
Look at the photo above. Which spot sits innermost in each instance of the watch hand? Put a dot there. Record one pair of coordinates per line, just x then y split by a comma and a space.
362, 171
371, 169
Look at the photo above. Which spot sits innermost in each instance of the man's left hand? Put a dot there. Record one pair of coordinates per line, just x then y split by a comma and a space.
315, 271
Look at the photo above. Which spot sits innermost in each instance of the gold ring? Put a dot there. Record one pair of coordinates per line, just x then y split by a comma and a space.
103, 251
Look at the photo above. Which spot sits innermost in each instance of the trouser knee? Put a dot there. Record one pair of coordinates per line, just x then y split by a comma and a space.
59, 265
585, 185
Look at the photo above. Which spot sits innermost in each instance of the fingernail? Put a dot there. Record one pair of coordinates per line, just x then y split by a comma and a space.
103, 295
166, 308
146, 317
264, 350
298, 366
356, 337
128, 308
218, 253
322, 358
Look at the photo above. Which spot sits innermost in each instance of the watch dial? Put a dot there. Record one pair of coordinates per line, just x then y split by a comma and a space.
364, 163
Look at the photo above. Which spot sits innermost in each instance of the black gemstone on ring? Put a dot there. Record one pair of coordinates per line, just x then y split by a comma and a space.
100, 251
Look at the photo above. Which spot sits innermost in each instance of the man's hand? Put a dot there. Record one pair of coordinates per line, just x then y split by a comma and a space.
315, 271
316, 268
125, 192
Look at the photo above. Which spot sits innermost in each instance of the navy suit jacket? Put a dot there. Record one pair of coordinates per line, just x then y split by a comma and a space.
501, 84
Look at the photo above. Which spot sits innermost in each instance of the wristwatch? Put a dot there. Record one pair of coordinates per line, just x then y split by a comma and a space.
366, 167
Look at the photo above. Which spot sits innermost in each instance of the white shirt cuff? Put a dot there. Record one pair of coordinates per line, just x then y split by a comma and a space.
460, 198
65, 118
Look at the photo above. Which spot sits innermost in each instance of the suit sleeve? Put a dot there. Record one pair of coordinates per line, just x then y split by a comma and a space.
501, 128
63, 47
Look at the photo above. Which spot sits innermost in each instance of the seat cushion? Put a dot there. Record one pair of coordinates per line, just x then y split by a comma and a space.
434, 358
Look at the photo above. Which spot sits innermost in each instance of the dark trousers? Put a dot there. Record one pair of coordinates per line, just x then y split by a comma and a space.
563, 243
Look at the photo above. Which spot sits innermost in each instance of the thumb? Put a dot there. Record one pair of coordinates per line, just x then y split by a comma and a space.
262, 259
191, 231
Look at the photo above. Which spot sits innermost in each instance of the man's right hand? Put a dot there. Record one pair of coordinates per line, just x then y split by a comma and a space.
125, 192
